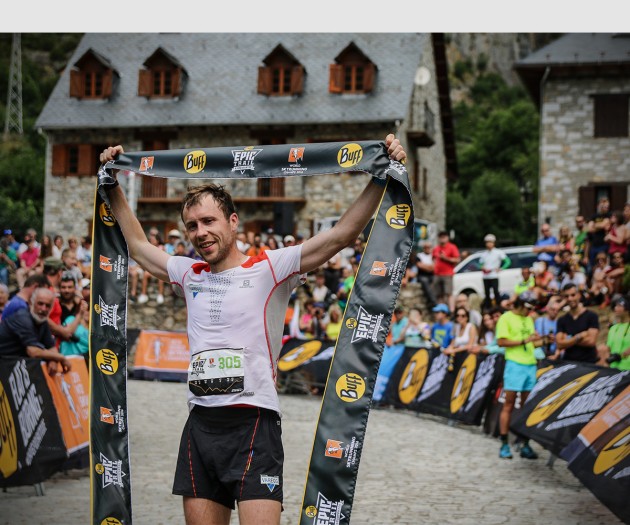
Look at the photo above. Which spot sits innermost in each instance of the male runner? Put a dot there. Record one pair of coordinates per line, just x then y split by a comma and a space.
231, 447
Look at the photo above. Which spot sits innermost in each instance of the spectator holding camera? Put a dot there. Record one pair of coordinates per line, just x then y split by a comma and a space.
616, 351
546, 325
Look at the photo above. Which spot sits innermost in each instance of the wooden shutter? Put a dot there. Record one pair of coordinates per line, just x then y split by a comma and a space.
618, 194
264, 80
176, 82
335, 84
144, 83
76, 82
107, 83
59, 155
586, 201
87, 160
369, 73
297, 80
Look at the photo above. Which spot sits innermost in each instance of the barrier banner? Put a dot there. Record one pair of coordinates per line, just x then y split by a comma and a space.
348, 394
600, 455
31, 443
435, 395
70, 395
162, 355
477, 379
408, 376
389, 359
566, 396
304, 364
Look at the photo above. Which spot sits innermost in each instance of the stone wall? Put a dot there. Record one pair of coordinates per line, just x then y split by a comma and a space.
570, 156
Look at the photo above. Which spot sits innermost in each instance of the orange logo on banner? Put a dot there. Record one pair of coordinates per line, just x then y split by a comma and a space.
379, 268
107, 416
333, 449
70, 394
105, 263
296, 154
146, 163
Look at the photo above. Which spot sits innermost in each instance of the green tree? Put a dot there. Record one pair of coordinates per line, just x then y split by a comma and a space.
497, 133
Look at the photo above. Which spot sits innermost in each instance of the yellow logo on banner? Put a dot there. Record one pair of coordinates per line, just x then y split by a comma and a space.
106, 215
350, 387
554, 401
351, 323
99, 468
8, 438
463, 383
296, 356
541, 371
195, 161
617, 449
398, 215
107, 361
349, 155
413, 376
110, 521
311, 511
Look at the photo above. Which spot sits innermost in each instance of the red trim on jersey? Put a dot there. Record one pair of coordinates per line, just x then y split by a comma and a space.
262, 256
200, 267
273, 367
250, 455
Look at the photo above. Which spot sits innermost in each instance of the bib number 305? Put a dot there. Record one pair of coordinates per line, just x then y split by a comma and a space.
217, 371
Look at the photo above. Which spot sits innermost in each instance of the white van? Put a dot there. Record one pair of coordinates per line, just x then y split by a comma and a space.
468, 277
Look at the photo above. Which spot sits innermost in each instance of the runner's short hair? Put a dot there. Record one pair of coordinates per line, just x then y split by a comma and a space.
218, 192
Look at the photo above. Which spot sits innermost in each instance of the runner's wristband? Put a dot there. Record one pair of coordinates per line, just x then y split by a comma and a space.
379, 182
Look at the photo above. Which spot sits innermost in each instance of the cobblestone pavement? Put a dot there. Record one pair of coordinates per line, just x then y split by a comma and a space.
415, 469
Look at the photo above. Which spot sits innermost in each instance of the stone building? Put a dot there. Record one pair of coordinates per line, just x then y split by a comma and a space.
172, 91
581, 83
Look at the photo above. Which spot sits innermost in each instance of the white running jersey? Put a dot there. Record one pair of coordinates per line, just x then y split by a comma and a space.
235, 324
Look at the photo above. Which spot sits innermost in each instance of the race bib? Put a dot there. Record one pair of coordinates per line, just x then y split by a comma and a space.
217, 371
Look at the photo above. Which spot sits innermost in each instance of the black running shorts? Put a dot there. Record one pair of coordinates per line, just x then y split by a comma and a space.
230, 454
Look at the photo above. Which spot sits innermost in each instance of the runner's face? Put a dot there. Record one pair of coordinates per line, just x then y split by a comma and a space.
212, 235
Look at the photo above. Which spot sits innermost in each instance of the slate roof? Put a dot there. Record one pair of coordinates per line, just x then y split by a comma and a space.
573, 55
222, 78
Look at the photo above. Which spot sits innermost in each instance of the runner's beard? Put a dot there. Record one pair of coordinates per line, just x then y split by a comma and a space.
222, 252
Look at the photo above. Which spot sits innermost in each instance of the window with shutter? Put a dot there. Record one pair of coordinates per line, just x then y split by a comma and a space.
91, 78
162, 76
75, 160
352, 72
282, 74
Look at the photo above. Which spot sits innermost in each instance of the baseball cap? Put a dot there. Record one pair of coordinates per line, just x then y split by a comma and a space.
174, 233
289, 238
8, 232
440, 308
489, 238
53, 262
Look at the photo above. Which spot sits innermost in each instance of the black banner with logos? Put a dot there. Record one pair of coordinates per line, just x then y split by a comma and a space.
347, 397
426, 380
31, 443
567, 395
600, 455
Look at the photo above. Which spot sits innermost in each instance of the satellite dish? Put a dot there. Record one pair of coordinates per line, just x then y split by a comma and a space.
423, 75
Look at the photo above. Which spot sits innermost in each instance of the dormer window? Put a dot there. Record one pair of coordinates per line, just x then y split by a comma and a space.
282, 74
352, 72
162, 76
91, 77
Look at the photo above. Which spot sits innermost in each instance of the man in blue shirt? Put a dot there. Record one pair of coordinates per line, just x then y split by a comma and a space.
546, 326
21, 300
547, 246
442, 329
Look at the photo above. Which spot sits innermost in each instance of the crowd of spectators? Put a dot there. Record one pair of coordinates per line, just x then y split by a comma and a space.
43, 297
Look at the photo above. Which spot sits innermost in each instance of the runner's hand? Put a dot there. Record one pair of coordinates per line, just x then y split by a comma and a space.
394, 148
109, 153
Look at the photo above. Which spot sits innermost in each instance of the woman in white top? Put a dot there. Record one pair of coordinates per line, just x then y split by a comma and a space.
464, 333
